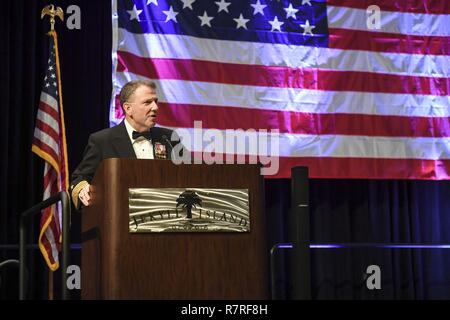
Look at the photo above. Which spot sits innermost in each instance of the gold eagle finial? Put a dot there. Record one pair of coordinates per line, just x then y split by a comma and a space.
52, 12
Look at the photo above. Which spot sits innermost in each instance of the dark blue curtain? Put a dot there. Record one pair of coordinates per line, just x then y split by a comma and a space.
371, 211
341, 210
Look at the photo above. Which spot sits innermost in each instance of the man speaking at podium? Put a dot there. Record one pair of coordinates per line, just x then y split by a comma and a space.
135, 137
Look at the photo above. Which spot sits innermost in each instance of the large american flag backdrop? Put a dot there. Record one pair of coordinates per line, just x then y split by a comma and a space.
350, 101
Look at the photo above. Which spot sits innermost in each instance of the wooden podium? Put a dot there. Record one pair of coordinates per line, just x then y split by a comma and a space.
117, 264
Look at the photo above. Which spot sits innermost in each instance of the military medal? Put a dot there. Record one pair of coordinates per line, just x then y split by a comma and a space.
160, 151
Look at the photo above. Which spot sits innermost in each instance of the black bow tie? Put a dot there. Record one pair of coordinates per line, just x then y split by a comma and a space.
147, 135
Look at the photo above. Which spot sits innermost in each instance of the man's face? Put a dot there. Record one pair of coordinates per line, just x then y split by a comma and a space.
142, 108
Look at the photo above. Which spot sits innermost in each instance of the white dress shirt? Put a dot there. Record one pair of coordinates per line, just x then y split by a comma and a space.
142, 147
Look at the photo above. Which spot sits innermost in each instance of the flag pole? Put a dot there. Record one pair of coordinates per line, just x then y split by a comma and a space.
53, 12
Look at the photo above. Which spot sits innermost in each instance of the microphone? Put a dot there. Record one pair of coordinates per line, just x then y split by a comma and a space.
166, 139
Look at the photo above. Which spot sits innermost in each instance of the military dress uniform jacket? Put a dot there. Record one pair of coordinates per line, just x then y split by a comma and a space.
110, 143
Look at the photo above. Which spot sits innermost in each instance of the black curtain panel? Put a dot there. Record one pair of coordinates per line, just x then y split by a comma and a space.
21, 57
342, 211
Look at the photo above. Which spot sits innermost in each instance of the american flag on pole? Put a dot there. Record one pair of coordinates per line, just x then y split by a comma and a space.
352, 98
49, 143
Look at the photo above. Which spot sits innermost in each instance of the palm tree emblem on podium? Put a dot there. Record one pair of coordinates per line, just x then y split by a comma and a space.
189, 199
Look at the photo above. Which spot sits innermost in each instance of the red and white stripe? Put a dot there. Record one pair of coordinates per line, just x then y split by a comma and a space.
50, 238
375, 104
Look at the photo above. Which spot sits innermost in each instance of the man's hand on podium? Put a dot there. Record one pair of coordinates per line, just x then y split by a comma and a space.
85, 195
